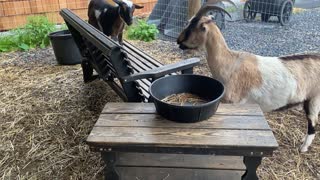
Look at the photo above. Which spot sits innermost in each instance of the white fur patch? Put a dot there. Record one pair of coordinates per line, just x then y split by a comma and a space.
105, 10
279, 85
97, 13
129, 3
307, 142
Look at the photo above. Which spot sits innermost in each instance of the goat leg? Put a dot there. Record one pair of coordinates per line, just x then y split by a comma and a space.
312, 108
120, 38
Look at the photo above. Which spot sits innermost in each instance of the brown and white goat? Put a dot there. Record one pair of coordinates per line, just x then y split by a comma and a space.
110, 16
271, 82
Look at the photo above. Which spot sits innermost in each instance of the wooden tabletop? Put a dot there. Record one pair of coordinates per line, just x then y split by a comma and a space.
136, 127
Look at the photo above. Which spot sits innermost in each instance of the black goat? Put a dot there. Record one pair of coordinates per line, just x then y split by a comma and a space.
110, 18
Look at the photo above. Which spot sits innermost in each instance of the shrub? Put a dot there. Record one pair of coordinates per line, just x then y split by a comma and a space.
142, 31
33, 34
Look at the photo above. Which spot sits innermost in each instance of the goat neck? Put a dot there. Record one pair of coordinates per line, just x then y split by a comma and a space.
219, 57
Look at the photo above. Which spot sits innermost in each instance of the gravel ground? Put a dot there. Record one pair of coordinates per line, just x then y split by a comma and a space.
272, 39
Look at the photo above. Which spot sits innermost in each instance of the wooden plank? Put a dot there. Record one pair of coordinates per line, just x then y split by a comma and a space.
132, 54
180, 161
193, 7
8, 8
224, 109
187, 138
1, 9
50, 5
72, 4
27, 8
137, 173
140, 52
63, 4
153, 120
82, 4
36, 6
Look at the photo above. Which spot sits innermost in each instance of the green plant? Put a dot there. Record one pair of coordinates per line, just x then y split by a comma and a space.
33, 34
142, 31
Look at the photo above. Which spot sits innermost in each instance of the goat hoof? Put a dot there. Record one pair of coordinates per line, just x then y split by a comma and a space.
303, 149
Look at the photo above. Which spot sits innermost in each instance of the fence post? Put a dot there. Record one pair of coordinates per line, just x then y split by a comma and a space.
193, 7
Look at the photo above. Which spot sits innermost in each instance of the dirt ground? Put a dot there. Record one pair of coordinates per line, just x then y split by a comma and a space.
46, 113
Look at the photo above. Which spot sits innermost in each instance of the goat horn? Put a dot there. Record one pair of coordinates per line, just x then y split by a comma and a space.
216, 1
208, 7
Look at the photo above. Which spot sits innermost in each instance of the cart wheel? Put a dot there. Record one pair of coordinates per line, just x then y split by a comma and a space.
248, 13
285, 12
265, 17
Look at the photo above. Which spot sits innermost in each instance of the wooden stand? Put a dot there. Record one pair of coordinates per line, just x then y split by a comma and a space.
136, 142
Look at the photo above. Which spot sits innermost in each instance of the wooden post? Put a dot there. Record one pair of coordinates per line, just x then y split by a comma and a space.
193, 7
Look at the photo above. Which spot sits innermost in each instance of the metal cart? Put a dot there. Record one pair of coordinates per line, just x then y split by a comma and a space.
267, 8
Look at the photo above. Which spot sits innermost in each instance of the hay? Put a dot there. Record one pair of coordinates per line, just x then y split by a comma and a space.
46, 113
184, 99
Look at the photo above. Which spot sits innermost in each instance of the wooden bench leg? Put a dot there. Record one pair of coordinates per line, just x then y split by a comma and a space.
87, 72
110, 172
251, 164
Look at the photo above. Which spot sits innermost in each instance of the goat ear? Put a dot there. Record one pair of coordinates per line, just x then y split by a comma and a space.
138, 6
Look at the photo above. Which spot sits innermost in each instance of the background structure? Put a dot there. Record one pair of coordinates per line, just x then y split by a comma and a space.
14, 13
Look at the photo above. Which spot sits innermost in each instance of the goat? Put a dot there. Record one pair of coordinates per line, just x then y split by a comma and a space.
110, 17
271, 82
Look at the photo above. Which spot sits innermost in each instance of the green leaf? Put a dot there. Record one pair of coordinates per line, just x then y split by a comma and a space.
24, 47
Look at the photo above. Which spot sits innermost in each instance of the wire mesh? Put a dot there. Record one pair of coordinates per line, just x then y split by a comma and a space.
171, 16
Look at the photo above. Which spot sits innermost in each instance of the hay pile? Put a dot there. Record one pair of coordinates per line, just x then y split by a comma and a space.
46, 113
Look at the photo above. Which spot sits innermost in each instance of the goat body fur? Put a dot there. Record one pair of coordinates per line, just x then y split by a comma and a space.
105, 17
271, 82
110, 17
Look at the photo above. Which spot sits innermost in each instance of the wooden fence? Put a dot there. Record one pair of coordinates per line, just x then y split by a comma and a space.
14, 13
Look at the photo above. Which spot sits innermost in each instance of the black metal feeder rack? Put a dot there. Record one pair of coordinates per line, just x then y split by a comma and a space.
267, 8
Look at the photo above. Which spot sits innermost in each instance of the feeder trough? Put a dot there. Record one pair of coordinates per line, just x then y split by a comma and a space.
201, 86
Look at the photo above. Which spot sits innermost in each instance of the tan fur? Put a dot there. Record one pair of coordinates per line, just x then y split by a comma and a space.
239, 69
297, 76
244, 78
307, 74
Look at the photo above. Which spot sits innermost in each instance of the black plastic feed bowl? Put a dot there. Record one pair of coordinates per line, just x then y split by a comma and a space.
65, 48
202, 86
